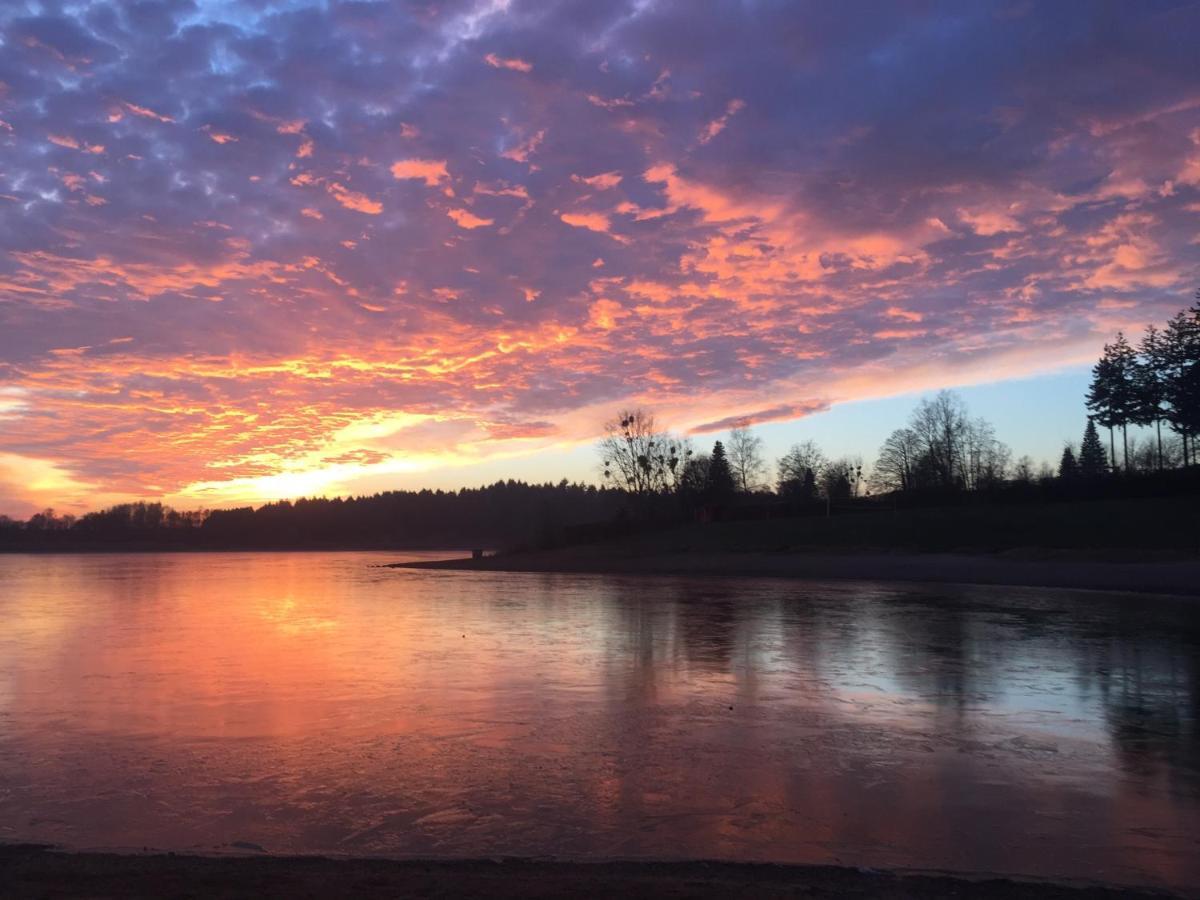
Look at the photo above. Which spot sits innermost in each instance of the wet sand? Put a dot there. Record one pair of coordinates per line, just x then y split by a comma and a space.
31, 871
1026, 569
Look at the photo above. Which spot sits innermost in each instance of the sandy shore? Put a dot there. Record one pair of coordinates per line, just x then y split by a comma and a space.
41, 872
1046, 570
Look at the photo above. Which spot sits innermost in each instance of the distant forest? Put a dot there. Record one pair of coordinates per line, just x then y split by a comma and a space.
653, 478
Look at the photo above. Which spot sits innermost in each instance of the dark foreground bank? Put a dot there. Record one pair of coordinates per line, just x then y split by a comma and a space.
27, 871
1164, 577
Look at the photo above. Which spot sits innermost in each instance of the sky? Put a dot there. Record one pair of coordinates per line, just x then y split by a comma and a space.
257, 250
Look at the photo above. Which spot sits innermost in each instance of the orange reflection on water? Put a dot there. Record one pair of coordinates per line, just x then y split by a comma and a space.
311, 702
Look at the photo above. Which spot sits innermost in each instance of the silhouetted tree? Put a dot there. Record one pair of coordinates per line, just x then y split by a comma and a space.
720, 486
693, 485
1125, 390
1099, 400
799, 470
1092, 462
1150, 379
639, 458
746, 459
1114, 395
1023, 471
896, 466
941, 425
839, 479
1068, 466
1182, 379
985, 458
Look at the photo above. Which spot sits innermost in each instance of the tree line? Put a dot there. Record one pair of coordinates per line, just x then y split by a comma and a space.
1156, 383
504, 513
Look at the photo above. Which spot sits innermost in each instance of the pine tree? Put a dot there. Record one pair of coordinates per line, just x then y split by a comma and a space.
1092, 463
1182, 381
720, 487
1124, 392
1151, 383
1099, 396
1068, 466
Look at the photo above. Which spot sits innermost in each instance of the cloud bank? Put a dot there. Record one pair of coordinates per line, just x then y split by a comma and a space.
250, 251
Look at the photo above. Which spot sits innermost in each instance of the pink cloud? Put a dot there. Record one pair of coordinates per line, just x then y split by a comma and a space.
499, 62
717, 125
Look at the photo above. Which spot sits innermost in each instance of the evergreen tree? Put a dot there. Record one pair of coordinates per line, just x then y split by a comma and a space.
720, 486
1100, 399
1182, 381
1124, 390
1068, 466
1150, 382
1092, 463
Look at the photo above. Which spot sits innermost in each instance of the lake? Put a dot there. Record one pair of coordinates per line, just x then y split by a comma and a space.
317, 703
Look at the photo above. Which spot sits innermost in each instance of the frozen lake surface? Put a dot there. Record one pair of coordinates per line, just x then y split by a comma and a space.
311, 702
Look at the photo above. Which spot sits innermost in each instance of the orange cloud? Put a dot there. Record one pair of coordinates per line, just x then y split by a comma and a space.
431, 171
354, 200
590, 221
464, 219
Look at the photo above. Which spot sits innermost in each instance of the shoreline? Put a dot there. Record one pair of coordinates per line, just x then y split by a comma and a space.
1044, 570
39, 870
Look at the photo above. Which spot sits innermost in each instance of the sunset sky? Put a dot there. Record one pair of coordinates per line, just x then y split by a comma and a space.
252, 250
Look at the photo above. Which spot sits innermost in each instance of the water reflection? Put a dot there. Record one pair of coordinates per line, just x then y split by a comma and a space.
310, 702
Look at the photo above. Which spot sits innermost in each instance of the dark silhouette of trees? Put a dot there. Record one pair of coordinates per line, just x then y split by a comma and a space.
1023, 472
505, 513
799, 470
839, 479
985, 458
1092, 463
941, 426
1068, 466
641, 459
1158, 382
720, 485
1115, 398
897, 464
1099, 400
1124, 390
746, 460
942, 449
1150, 382
693, 485
1181, 359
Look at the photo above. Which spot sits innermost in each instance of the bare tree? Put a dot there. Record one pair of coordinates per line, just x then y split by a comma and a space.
897, 465
803, 462
640, 458
941, 425
841, 477
1023, 471
985, 459
746, 459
